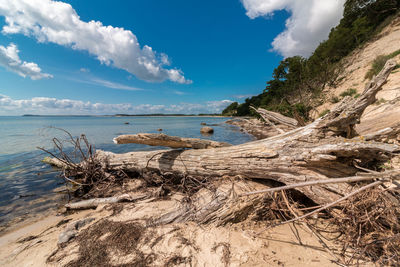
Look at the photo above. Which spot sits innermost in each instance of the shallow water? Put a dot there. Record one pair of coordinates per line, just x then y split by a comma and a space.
26, 184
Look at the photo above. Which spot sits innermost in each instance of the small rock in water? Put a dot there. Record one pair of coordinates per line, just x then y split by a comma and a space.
126, 122
160, 130
203, 123
207, 130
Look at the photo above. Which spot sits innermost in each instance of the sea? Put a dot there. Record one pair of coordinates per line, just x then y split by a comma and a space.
30, 188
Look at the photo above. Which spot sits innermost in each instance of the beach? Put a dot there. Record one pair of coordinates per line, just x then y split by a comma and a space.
29, 188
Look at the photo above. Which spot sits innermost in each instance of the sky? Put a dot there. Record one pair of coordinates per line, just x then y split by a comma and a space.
95, 57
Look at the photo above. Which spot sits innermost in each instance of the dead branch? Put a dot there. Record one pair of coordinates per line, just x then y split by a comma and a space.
349, 111
334, 202
168, 141
57, 163
93, 203
276, 117
265, 118
386, 176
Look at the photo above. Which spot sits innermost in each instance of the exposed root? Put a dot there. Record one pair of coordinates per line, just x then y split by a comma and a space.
369, 226
82, 165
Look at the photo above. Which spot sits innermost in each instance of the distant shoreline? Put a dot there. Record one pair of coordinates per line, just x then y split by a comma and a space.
128, 115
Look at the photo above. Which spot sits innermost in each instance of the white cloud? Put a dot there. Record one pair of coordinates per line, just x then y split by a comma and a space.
54, 106
9, 58
309, 24
177, 92
84, 70
243, 96
58, 22
218, 105
93, 80
113, 85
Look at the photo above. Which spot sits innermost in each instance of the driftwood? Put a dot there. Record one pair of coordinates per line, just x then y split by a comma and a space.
385, 176
277, 117
168, 141
55, 162
256, 127
265, 118
93, 203
349, 111
385, 134
317, 151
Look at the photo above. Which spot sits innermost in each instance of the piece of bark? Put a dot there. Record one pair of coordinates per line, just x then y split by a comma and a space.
93, 203
168, 141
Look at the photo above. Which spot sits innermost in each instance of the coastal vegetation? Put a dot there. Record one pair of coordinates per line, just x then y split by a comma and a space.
297, 82
378, 64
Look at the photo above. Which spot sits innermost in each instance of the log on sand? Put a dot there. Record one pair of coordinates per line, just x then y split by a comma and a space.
93, 203
168, 141
326, 148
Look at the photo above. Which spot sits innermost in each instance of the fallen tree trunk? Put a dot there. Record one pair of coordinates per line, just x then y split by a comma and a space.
168, 141
314, 152
286, 161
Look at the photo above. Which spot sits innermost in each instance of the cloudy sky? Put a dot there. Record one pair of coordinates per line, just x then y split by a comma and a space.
154, 56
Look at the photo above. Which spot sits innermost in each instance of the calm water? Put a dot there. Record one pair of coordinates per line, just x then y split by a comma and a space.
26, 184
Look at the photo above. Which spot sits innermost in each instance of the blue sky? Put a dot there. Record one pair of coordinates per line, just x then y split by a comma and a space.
154, 56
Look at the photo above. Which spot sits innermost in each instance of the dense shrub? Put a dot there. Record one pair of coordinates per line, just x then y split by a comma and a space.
379, 63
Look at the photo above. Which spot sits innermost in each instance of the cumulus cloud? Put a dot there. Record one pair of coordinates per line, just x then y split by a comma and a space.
309, 23
9, 58
57, 22
49, 105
